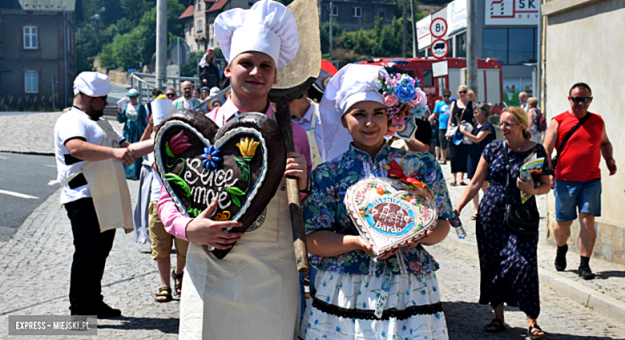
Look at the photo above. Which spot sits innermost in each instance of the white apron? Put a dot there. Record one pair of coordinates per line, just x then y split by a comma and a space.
253, 293
108, 187
312, 140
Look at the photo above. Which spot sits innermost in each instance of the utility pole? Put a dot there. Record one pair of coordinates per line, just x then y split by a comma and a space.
161, 44
471, 80
331, 14
404, 30
414, 32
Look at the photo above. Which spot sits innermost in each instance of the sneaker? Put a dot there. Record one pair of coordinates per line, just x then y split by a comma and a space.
585, 273
106, 311
560, 263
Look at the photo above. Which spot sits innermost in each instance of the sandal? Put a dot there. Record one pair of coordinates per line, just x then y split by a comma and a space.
453, 184
474, 217
495, 326
463, 183
163, 292
178, 286
535, 332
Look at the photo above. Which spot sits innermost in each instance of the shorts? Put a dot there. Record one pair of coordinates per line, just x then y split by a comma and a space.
161, 240
585, 196
442, 139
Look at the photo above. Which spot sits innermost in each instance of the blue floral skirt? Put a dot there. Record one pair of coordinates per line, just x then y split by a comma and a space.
367, 307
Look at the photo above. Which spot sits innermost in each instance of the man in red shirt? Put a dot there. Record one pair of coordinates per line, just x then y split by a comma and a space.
577, 174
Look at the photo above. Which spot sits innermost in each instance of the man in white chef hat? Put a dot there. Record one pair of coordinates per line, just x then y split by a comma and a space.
89, 157
253, 293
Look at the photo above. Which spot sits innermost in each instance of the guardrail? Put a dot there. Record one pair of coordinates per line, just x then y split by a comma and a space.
145, 83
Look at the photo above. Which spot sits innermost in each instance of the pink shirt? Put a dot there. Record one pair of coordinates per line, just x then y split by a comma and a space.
175, 222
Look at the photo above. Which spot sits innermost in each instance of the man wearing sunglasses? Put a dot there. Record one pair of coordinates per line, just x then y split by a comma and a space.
577, 174
171, 93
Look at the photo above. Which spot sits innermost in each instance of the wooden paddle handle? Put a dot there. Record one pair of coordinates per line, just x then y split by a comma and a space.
283, 117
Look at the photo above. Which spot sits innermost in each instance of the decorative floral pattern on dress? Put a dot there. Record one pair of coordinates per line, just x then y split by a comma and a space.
324, 208
402, 96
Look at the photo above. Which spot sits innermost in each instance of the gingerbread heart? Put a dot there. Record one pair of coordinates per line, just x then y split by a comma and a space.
240, 165
389, 213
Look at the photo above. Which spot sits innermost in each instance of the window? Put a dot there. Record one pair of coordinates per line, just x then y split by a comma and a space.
30, 38
200, 26
514, 46
31, 82
357, 12
521, 46
335, 11
461, 46
198, 5
382, 15
428, 80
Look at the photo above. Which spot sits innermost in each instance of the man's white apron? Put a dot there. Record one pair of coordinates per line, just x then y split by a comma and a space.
108, 187
253, 293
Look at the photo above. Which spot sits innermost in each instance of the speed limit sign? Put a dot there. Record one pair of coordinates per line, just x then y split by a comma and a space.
438, 27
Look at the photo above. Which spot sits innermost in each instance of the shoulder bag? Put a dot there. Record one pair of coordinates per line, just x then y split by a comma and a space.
453, 128
519, 219
554, 160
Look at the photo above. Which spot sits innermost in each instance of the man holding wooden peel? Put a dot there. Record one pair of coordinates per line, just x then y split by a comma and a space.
254, 291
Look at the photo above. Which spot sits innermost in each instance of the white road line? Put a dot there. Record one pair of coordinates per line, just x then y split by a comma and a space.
51, 166
2, 157
17, 194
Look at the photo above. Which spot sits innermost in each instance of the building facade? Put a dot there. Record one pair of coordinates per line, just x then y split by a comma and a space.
199, 18
353, 15
506, 30
578, 36
37, 53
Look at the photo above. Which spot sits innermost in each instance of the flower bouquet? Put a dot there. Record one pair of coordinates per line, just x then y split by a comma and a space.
403, 97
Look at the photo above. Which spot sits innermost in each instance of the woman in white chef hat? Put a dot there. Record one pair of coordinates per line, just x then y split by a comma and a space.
356, 296
252, 293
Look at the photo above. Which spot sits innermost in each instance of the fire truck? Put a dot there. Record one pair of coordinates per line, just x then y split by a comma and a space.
490, 79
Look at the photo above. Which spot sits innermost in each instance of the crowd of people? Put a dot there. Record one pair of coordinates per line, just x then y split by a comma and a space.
353, 294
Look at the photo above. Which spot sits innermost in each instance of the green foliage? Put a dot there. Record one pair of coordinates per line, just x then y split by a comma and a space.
133, 45
324, 32
381, 40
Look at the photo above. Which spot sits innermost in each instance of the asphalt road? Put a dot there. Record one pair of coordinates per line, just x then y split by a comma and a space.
26, 176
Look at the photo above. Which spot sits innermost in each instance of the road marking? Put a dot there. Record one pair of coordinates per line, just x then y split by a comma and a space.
2, 157
51, 166
17, 194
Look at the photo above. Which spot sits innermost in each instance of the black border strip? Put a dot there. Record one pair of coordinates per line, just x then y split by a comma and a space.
367, 314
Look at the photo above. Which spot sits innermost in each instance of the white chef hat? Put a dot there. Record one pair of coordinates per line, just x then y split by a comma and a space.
268, 27
353, 83
93, 84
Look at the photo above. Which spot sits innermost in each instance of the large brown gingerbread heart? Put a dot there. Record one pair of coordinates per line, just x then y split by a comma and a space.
240, 164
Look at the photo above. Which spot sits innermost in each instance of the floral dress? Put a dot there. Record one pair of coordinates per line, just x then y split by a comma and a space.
508, 263
348, 287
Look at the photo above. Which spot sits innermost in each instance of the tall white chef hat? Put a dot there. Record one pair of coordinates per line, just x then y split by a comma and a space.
93, 84
268, 27
353, 83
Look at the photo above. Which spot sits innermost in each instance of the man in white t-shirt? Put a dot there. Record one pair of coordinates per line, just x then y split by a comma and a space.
80, 137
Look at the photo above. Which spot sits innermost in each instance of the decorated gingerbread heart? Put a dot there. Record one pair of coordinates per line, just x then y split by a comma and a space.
240, 165
389, 212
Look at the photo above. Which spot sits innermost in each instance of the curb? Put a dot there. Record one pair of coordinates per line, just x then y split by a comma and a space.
28, 153
580, 293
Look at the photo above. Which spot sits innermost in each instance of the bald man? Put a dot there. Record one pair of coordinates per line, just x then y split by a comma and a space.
187, 101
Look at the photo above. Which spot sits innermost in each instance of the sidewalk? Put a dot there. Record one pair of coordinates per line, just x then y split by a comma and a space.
606, 293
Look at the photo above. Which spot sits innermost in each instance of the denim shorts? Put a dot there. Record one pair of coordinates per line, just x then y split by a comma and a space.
571, 196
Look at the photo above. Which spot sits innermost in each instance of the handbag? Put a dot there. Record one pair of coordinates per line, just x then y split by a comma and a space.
451, 132
519, 219
554, 160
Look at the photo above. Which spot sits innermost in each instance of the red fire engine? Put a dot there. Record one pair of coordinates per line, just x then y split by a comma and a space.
490, 79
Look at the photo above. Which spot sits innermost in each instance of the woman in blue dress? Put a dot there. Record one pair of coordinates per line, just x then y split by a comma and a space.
349, 284
482, 134
135, 117
508, 263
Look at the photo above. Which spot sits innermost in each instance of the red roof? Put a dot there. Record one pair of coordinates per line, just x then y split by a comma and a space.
187, 13
217, 5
